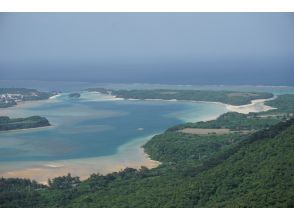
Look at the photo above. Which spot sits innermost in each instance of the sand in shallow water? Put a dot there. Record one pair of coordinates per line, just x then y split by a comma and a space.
129, 155
255, 106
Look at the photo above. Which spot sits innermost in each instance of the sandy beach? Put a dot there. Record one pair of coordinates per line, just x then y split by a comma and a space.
130, 154
256, 105
24, 105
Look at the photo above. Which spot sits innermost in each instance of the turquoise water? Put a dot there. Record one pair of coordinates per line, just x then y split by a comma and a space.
94, 125
97, 125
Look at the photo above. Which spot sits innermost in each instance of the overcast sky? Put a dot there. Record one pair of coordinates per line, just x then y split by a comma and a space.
179, 48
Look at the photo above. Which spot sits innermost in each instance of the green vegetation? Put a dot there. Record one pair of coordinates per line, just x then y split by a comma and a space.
7, 123
234, 121
10, 96
193, 148
256, 172
17, 192
239, 169
74, 95
231, 170
228, 97
64, 182
283, 103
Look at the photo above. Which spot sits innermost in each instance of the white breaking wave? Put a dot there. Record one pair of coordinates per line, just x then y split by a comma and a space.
55, 96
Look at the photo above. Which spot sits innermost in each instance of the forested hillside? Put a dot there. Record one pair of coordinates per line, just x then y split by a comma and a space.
231, 170
234, 121
283, 103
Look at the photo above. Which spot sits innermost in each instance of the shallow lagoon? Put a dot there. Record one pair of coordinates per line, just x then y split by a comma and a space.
94, 125
95, 133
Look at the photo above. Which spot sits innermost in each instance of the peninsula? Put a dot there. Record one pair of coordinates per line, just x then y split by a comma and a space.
11, 96
226, 97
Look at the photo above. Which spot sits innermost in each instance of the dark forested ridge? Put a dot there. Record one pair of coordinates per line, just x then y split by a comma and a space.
227, 97
7, 123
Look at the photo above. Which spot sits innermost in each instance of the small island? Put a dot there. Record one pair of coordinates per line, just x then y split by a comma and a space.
7, 123
74, 95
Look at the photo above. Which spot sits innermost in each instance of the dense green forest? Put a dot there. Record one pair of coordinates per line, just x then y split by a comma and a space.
283, 103
7, 123
231, 170
234, 121
227, 97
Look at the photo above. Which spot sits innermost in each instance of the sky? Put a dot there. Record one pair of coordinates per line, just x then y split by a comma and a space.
169, 48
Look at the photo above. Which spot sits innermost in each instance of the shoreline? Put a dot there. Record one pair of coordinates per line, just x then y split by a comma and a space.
130, 154
25, 104
28, 129
256, 105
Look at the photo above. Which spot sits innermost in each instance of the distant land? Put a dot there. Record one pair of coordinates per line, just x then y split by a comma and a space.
226, 97
74, 95
11, 96
7, 123
236, 160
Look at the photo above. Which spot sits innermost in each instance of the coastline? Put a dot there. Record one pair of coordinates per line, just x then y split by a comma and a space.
24, 104
28, 129
256, 105
131, 154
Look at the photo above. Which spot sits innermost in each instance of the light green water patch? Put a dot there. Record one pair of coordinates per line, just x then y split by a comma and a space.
129, 154
91, 134
199, 111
